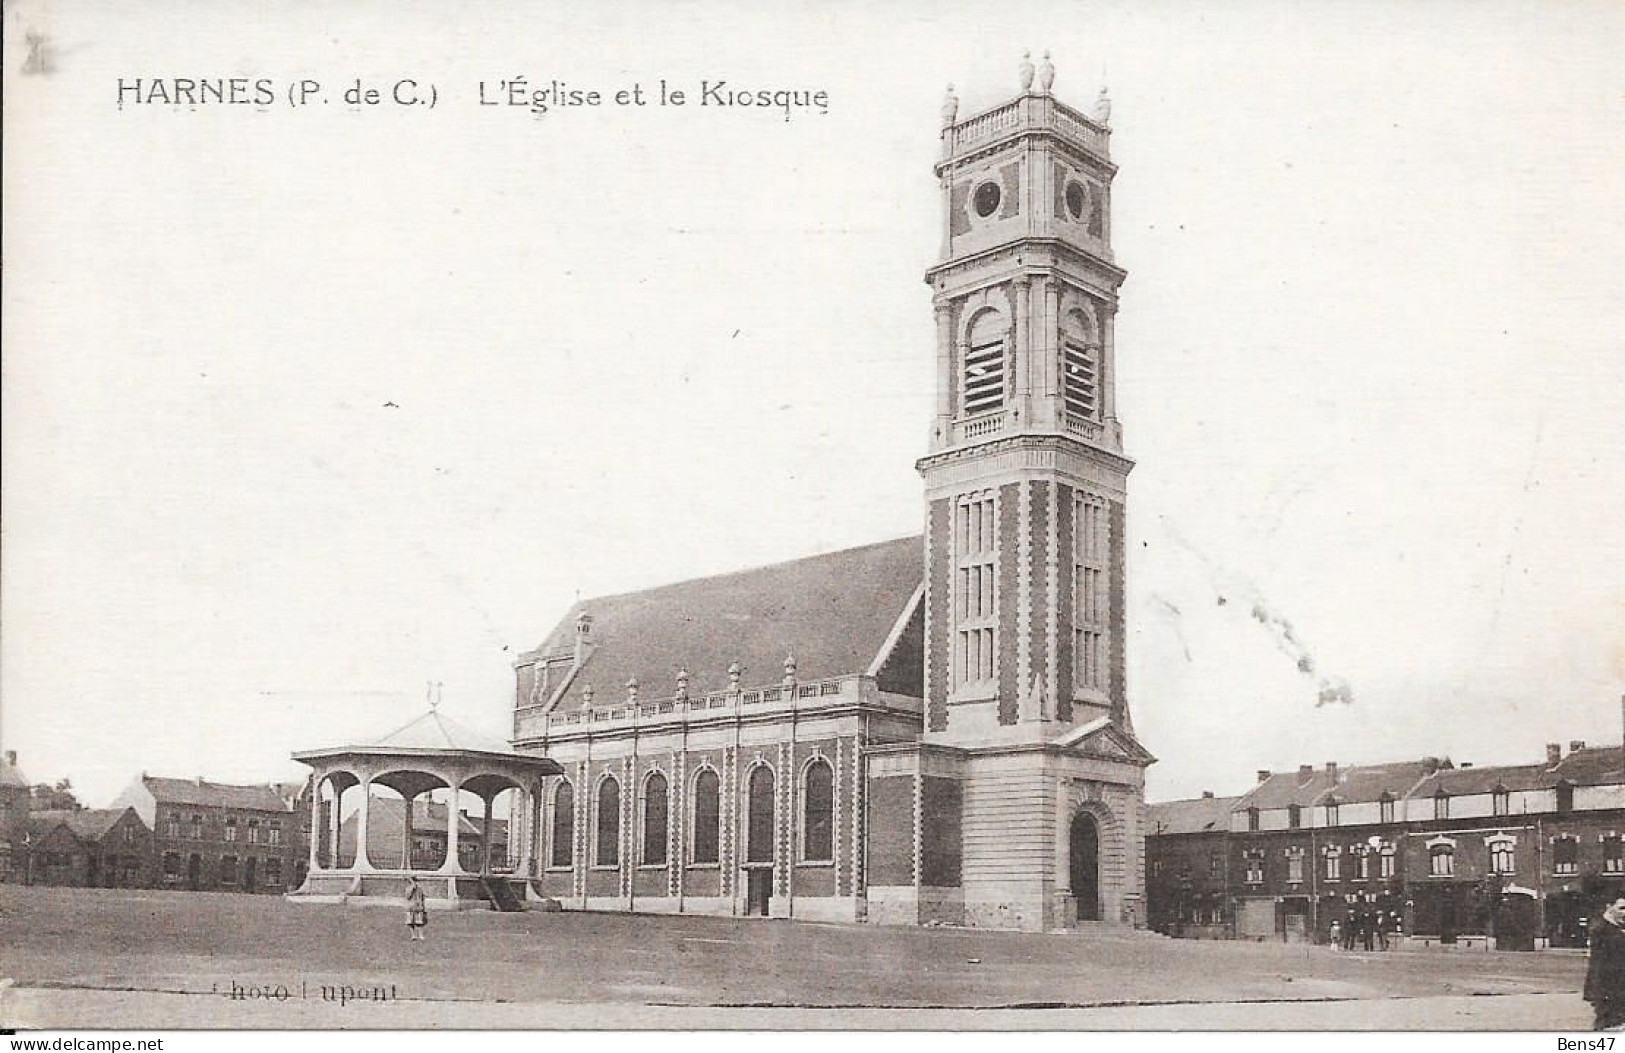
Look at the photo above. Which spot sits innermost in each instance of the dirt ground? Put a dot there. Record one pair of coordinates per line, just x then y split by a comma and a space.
102, 958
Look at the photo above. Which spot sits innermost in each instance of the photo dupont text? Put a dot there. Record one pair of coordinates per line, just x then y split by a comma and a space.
538, 96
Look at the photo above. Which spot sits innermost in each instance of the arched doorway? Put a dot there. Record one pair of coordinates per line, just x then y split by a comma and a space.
1084, 853
759, 841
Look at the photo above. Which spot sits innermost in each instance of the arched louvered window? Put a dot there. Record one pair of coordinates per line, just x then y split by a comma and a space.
1080, 365
984, 363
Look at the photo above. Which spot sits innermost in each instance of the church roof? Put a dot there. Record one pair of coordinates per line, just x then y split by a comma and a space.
833, 612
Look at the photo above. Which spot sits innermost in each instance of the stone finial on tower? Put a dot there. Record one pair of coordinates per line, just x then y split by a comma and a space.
1046, 75
682, 684
586, 697
789, 672
1103, 106
734, 672
950, 108
1026, 72
632, 691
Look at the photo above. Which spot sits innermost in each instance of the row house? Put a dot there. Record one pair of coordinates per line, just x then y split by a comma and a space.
211, 836
1434, 850
14, 794
88, 848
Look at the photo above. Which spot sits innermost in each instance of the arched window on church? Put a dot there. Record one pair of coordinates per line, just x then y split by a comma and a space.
707, 816
564, 825
609, 824
1080, 363
984, 363
818, 813
759, 833
654, 819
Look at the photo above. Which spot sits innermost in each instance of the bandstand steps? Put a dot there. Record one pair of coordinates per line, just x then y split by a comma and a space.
501, 895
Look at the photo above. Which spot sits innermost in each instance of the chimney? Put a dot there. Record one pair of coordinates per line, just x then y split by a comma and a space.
1466, 764
1306, 772
1207, 795
1430, 765
583, 636
1577, 745
1331, 770
200, 780
11, 758
1554, 753
1263, 775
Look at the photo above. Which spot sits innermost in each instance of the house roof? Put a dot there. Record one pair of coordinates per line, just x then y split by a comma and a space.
1194, 816
11, 775
1458, 782
833, 612
428, 817
87, 824
198, 792
1589, 767
1362, 783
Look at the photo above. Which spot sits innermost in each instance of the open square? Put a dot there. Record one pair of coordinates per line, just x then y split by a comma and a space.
141, 959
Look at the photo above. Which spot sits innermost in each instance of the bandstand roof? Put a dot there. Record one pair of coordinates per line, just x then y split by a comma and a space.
433, 734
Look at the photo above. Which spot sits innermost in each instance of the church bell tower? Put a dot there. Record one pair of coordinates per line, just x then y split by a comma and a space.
1025, 477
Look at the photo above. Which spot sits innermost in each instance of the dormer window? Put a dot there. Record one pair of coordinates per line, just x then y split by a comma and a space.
1565, 796
1441, 805
1501, 801
1252, 819
1385, 807
1294, 816
1331, 813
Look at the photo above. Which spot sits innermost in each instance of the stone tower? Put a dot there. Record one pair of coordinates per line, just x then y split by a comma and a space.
1025, 484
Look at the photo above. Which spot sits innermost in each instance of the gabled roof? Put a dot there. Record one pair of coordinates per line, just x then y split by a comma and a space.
833, 612
1593, 766
1350, 784
1198, 815
87, 824
200, 793
1284, 789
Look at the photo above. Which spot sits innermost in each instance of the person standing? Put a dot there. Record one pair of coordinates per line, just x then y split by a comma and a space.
1605, 971
417, 909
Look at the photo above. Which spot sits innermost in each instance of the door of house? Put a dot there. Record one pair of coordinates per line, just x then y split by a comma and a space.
758, 890
194, 872
248, 874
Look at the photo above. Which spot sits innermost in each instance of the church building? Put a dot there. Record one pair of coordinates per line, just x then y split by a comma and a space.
929, 729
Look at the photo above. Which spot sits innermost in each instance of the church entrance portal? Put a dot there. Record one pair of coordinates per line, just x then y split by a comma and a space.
1085, 866
758, 890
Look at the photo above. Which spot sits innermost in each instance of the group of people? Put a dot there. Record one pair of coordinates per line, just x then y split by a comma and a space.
1368, 930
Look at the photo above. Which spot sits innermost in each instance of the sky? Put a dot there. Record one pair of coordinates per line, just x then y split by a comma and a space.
307, 406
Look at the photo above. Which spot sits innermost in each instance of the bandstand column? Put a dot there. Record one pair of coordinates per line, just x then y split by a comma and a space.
406, 839
485, 838
361, 860
315, 820
452, 866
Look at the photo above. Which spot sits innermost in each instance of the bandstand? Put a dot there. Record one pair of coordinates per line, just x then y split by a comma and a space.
430, 753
